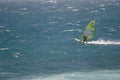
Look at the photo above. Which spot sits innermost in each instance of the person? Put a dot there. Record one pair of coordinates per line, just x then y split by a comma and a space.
84, 39
86, 34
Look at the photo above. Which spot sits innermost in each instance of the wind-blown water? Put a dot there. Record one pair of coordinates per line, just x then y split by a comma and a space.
37, 40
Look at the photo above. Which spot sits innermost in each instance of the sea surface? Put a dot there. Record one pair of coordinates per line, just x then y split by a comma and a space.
37, 40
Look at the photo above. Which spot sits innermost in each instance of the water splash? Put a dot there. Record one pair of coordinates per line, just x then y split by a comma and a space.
105, 42
101, 42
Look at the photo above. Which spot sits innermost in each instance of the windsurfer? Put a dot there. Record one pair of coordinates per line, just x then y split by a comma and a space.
84, 39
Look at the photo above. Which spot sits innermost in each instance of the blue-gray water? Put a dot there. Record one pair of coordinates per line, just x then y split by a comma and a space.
37, 40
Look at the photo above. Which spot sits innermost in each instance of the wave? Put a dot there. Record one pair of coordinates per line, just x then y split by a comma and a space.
93, 75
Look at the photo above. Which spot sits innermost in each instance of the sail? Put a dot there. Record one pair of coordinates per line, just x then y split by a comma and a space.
89, 30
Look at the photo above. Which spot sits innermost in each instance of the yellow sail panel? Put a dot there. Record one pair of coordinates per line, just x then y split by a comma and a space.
89, 30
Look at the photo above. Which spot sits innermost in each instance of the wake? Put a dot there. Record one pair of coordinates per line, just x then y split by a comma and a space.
104, 42
100, 42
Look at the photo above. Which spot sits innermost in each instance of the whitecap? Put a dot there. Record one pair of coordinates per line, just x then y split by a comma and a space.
16, 55
69, 23
68, 30
7, 30
3, 49
101, 5
65, 53
94, 11
53, 22
103, 9
78, 22
75, 10
72, 30
23, 9
69, 7
52, 1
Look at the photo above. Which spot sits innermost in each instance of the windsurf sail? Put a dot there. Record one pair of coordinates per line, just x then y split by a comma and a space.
89, 30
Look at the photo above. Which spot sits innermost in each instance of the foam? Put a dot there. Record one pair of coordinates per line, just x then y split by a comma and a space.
75, 10
94, 11
72, 30
105, 42
52, 1
16, 55
3, 49
101, 42
94, 75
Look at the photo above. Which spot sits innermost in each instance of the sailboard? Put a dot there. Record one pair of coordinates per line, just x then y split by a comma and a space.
88, 32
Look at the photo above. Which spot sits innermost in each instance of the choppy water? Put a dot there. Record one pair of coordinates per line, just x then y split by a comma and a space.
37, 40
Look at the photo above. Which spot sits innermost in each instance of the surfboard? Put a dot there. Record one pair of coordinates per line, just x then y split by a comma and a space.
78, 40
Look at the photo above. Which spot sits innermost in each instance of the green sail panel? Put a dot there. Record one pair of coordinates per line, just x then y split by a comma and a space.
89, 30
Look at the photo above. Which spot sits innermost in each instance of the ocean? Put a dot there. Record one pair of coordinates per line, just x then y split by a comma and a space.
37, 40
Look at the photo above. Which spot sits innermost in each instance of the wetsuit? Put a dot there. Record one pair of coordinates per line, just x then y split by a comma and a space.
85, 39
